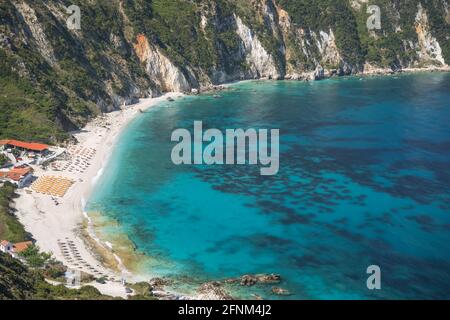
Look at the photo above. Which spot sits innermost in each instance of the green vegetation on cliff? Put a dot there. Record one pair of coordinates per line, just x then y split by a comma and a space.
47, 91
17, 282
26, 111
175, 26
10, 227
325, 15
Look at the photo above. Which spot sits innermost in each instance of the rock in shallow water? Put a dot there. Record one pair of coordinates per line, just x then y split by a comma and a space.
281, 291
251, 280
213, 291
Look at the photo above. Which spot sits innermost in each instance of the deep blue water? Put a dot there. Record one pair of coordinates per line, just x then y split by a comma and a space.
364, 179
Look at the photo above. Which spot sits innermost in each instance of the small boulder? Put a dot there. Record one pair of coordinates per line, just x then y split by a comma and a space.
268, 278
158, 283
231, 281
280, 291
248, 280
213, 291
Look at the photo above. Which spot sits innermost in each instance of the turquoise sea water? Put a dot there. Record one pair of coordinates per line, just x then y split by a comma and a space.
364, 179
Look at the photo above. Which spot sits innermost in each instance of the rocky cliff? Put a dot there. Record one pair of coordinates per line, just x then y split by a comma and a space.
54, 78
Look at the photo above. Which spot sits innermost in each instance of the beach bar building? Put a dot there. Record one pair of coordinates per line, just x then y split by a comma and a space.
25, 146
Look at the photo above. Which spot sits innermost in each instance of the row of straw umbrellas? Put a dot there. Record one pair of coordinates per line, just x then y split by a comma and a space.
51, 185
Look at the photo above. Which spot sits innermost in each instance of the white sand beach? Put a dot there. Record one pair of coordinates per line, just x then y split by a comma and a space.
55, 223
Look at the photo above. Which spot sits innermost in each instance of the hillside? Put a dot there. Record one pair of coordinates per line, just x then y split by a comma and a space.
17, 282
10, 227
53, 79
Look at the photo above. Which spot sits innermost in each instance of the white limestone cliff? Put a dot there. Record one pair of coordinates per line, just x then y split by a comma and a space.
428, 49
161, 70
261, 64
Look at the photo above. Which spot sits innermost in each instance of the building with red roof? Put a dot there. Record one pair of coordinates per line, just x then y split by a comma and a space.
19, 176
28, 146
21, 246
14, 249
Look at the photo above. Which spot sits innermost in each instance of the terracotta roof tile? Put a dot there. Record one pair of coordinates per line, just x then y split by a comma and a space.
28, 145
21, 246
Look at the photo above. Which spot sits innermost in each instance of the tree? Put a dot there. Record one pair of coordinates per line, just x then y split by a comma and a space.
35, 258
3, 159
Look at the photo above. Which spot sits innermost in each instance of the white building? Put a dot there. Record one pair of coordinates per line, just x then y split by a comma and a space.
19, 176
6, 246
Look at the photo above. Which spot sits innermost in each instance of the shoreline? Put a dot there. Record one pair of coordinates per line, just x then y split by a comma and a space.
48, 223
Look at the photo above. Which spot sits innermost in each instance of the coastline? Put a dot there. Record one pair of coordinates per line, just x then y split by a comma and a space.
369, 71
48, 223
374, 71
